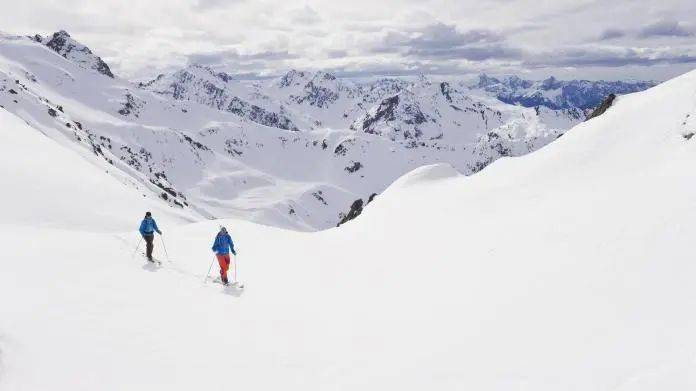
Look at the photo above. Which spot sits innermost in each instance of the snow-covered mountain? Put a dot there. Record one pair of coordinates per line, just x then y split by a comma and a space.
569, 268
62, 43
556, 94
301, 151
202, 85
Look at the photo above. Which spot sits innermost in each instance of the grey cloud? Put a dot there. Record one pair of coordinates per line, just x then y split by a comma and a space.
267, 56
242, 66
610, 34
393, 42
442, 35
584, 57
473, 53
665, 28
226, 56
337, 53
442, 41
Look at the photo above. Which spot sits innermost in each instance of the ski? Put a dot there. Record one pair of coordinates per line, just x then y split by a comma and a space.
233, 284
153, 260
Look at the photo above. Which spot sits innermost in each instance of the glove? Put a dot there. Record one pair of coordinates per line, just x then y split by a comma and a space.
159, 232
234, 252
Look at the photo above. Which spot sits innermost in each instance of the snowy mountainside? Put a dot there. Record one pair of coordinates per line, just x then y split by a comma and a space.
569, 268
200, 84
48, 185
294, 152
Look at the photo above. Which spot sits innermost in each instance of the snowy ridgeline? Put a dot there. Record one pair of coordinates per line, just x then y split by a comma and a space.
304, 151
569, 268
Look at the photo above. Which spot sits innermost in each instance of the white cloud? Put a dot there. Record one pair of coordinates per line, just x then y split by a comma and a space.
391, 36
305, 16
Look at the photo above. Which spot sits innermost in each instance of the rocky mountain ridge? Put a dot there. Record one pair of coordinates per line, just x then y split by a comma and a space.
556, 94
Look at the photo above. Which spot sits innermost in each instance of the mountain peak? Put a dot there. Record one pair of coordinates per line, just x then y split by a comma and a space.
292, 77
324, 75
485, 80
517, 82
550, 83
61, 33
207, 70
423, 80
62, 43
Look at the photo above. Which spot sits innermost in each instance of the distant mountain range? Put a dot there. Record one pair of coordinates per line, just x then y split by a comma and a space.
305, 150
557, 94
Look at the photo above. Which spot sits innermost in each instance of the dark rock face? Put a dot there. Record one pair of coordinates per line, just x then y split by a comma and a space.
151, 82
260, 115
131, 106
195, 144
400, 114
385, 112
320, 89
446, 91
292, 77
355, 209
63, 44
319, 197
354, 167
341, 149
317, 95
603, 107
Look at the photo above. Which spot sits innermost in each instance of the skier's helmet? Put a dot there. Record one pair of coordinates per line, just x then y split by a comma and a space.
148, 214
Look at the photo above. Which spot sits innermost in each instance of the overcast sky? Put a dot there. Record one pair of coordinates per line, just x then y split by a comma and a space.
611, 39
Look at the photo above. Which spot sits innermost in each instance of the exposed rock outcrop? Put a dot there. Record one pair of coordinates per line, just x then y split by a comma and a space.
603, 107
62, 43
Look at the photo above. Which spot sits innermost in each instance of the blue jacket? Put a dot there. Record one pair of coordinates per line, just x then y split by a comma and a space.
223, 244
149, 226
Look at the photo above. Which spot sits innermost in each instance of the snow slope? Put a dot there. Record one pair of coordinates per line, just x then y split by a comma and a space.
570, 268
49, 186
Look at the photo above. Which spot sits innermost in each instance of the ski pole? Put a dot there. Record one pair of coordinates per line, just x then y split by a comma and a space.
235, 268
137, 247
209, 269
165, 249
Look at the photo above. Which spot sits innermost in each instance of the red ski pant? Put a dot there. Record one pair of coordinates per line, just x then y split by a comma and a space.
224, 261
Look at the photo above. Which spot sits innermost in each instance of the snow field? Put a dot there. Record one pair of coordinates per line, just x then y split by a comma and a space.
567, 269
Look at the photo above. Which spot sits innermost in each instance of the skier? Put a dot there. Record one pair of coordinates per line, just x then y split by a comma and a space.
222, 246
148, 227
